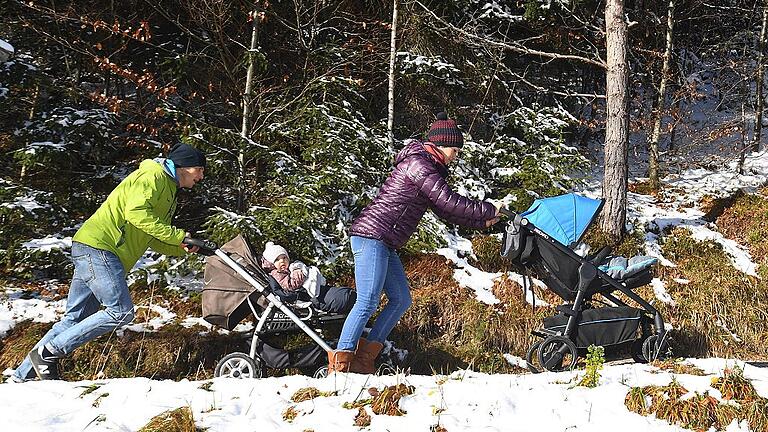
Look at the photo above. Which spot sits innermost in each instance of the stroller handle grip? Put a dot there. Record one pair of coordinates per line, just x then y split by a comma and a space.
207, 247
508, 213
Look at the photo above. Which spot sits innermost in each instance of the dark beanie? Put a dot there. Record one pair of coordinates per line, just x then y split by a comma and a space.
184, 155
444, 132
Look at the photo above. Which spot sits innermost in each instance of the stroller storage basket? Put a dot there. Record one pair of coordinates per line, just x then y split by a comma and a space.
601, 326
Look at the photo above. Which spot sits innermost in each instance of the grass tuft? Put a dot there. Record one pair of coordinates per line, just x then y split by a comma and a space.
308, 393
178, 420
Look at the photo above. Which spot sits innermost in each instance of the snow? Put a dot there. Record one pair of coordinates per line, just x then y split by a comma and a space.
6, 46
49, 243
28, 202
462, 401
14, 309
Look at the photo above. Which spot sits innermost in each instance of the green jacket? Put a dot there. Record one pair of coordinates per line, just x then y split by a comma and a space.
136, 215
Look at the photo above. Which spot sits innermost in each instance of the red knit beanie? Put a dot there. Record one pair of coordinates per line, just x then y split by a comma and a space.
445, 133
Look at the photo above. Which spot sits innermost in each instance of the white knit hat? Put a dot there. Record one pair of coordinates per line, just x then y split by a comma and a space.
272, 251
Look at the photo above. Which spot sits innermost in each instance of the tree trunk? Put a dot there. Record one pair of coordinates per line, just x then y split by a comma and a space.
245, 130
743, 144
392, 56
658, 114
759, 82
617, 123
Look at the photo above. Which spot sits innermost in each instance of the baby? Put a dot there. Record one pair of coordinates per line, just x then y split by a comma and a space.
292, 276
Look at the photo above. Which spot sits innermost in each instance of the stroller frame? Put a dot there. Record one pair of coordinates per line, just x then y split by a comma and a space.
276, 317
274, 302
557, 345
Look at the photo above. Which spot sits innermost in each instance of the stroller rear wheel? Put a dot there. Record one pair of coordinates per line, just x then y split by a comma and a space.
557, 353
321, 372
651, 348
238, 365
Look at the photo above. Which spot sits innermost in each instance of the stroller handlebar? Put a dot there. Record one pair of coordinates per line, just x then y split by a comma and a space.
207, 247
508, 213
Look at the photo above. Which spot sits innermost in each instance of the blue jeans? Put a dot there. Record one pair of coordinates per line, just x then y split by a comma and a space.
99, 279
377, 268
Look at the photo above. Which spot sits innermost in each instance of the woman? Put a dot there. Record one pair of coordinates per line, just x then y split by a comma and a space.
416, 183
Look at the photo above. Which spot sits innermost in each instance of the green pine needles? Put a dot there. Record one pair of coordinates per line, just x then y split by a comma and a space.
595, 360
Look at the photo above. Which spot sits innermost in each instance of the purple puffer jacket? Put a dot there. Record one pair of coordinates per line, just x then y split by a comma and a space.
416, 184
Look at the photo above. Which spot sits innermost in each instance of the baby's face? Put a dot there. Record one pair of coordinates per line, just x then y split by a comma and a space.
281, 263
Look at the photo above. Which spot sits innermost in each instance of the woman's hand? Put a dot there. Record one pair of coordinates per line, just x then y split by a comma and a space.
491, 222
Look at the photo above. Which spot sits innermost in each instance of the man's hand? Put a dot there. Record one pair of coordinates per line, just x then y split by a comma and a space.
491, 222
188, 248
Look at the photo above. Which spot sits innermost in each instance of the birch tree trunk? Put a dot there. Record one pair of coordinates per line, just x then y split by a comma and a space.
617, 123
658, 114
245, 130
392, 57
759, 82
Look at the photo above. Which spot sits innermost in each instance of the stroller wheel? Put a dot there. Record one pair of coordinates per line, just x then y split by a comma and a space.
238, 365
531, 357
651, 348
321, 372
557, 353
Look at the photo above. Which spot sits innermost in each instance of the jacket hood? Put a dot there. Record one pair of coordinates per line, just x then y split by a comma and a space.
414, 147
166, 165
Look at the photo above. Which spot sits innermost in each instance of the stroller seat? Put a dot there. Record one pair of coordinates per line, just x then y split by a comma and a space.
633, 272
279, 322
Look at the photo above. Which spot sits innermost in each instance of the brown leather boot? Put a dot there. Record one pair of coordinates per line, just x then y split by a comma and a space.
339, 361
365, 356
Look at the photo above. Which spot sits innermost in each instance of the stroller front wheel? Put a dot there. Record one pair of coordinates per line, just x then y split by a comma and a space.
238, 365
531, 357
557, 354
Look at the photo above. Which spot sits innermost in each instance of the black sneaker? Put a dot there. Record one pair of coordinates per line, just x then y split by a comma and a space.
46, 366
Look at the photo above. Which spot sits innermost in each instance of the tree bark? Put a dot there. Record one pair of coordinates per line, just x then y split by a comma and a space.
658, 114
759, 82
392, 57
617, 123
245, 130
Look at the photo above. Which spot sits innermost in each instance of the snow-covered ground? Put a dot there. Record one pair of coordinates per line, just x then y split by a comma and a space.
462, 401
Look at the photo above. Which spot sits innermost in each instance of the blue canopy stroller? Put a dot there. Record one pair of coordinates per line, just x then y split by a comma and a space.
542, 239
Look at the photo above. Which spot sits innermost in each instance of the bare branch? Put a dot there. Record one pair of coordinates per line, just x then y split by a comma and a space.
513, 46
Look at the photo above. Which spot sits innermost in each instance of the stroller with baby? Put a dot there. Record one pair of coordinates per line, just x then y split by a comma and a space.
237, 287
542, 239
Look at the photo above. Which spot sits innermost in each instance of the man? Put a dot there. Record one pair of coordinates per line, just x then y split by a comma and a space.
136, 216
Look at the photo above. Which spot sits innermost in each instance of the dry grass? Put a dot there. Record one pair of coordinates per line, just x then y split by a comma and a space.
701, 412
384, 401
387, 401
178, 420
362, 419
308, 393
678, 366
174, 352
447, 328
290, 413
718, 302
734, 386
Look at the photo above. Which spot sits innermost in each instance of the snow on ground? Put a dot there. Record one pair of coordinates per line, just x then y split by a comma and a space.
462, 401
14, 309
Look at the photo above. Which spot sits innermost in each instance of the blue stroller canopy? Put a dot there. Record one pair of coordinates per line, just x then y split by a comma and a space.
564, 218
